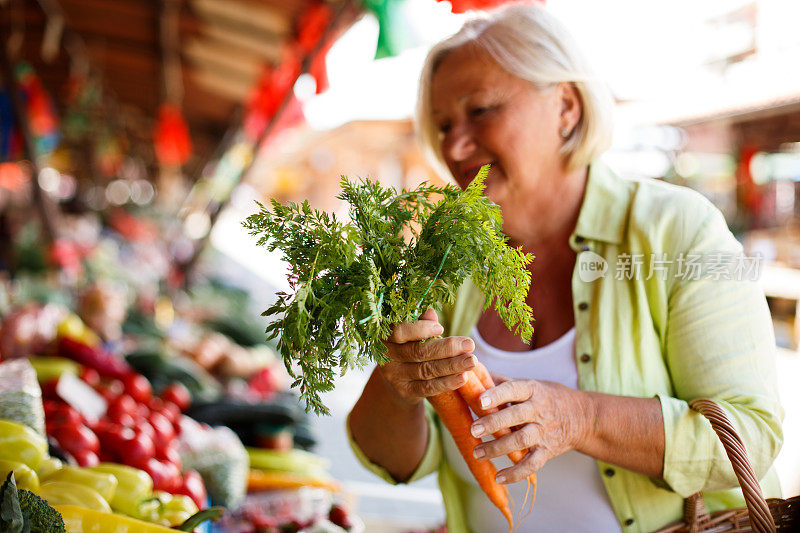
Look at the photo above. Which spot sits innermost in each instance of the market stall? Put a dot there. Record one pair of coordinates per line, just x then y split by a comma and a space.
136, 387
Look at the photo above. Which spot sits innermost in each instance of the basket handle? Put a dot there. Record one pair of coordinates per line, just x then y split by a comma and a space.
758, 511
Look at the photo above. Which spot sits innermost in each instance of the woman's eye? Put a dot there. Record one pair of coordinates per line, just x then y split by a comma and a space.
478, 111
444, 128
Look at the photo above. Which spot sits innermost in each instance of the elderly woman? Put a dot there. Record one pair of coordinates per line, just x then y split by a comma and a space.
598, 399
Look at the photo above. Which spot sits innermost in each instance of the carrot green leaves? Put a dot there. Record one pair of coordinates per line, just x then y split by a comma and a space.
399, 254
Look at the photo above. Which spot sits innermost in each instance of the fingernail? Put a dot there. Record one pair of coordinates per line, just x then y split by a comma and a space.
477, 430
438, 329
500, 478
485, 401
467, 345
478, 453
474, 361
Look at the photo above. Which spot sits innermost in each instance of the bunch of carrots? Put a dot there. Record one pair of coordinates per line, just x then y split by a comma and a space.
453, 408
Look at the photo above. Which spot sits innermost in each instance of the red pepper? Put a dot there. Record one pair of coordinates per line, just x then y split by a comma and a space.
105, 363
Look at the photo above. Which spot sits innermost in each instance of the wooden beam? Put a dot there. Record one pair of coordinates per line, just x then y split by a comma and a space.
245, 14
244, 66
267, 47
212, 81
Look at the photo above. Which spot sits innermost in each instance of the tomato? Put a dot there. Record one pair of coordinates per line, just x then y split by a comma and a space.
137, 386
61, 413
162, 426
112, 436
90, 376
166, 476
177, 394
141, 425
77, 437
49, 390
123, 419
169, 453
171, 411
85, 457
122, 405
136, 449
111, 389
193, 486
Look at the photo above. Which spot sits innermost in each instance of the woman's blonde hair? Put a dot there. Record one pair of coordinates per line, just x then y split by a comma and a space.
527, 42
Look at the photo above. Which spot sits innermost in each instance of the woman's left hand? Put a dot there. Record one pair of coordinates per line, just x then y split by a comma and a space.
546, 419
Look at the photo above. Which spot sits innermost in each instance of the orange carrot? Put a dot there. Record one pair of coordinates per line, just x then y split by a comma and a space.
456, 417
471, 391
483, 375
478, 381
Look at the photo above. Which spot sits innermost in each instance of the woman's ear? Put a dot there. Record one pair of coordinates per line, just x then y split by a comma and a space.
571, 107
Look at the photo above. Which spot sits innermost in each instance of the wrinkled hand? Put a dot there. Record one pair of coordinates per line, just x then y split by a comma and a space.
546, 419
417, 369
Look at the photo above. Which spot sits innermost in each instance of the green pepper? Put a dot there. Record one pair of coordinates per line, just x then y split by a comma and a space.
49, 368
21, 444
133, 485
105, 484
23, 475
64, 493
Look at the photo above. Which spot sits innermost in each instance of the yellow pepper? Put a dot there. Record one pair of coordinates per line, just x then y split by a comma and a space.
74, 328
175, 509
48, 466
23, 475
63, 493
133, 485
21, 444
49, 367
259, 480
105, 484
78, 520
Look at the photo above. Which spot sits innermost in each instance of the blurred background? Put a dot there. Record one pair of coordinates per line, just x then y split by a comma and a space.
136, 136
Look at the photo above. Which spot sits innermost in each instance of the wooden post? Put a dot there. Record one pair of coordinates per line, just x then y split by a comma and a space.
48, 210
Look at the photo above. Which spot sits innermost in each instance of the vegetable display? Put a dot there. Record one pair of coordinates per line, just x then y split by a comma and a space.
399, 254
23, 511
352, 281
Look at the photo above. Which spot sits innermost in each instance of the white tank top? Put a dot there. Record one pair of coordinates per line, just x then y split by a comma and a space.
570, 494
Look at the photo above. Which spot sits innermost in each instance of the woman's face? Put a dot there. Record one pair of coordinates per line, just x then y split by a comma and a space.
485, 115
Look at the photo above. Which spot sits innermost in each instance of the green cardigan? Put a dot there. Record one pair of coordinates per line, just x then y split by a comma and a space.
661, 333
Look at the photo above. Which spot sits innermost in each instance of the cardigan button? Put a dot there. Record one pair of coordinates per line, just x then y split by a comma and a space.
585, 358
629, 522
609, 472
583, 306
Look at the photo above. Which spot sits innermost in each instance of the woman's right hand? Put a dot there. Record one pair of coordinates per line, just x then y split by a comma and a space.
417, 369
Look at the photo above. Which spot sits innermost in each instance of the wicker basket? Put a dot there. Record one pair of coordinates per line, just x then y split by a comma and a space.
760, 515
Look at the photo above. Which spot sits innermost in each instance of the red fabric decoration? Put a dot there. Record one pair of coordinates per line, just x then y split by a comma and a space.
462, 6
269, 92
311, 25
172, 142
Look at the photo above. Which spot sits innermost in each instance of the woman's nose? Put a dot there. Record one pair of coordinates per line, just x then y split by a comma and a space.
458, 144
